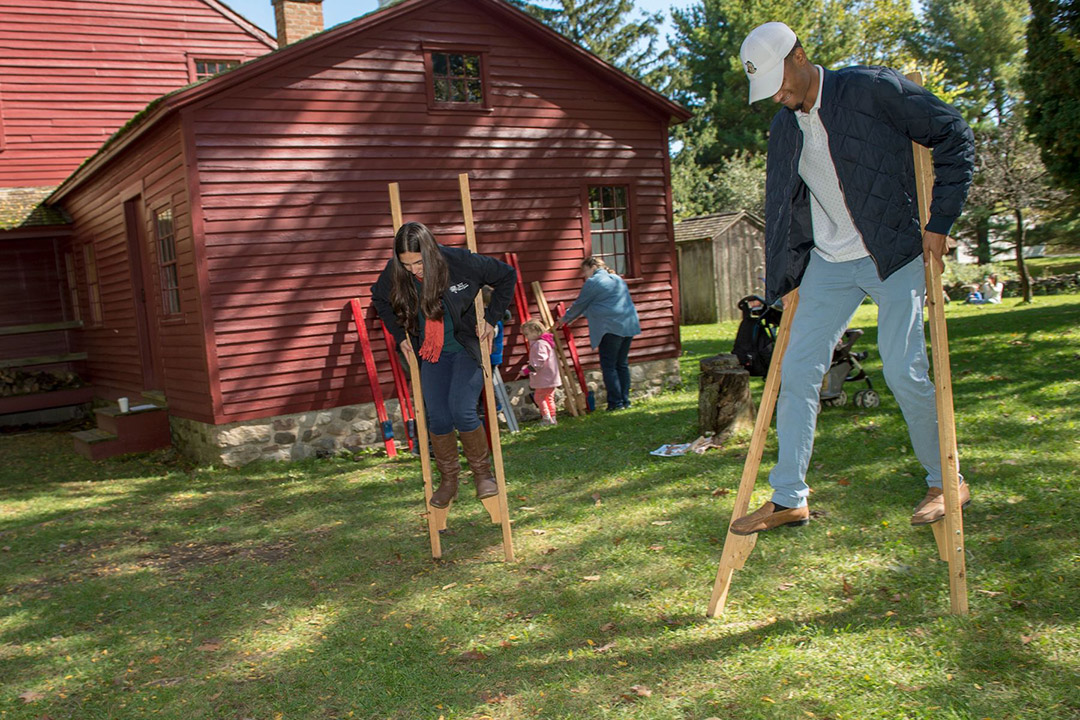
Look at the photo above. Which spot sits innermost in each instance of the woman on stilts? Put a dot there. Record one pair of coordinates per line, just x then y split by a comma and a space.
425, 297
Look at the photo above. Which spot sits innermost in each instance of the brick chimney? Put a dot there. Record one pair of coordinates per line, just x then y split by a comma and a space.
297, 19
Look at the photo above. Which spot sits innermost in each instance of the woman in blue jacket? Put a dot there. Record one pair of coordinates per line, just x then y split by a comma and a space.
425, 297
613, 322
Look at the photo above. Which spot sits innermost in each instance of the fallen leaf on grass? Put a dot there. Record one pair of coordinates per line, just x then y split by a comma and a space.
843, 481
656, 547
786, 586
472, 655
637, 691
720, 492
210, 646
617, 541
537, 531
991, 593
31, 696
661, 522
541, 568
548, 551
491, 699
607, 627
591, 578
596, 498
447, 587
165, 682
605, 648
848, 590
1024, 640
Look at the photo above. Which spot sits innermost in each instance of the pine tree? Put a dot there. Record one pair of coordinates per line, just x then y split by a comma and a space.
607, 29
1051, 82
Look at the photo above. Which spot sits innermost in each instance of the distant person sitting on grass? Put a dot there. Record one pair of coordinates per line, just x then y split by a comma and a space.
992, 289
989, 292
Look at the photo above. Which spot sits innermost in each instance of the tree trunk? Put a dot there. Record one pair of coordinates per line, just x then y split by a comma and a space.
724, 402
1025, 281
982, 241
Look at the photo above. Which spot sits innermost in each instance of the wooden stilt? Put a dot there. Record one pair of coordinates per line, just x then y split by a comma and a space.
386, 428
953, 539
500, 502
436, 517
738, 547
575, 360
575, 401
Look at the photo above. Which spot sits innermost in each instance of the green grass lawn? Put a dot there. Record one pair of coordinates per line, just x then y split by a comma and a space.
143, 587
1049, 265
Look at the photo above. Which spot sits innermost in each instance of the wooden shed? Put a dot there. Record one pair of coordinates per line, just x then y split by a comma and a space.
721, 261
248, 210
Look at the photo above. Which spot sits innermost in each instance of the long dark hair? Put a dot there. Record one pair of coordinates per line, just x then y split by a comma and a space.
414, 237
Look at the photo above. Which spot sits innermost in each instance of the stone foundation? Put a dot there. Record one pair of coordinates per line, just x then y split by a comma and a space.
349, 428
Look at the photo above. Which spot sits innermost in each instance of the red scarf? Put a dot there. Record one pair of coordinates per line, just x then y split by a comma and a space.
433, 340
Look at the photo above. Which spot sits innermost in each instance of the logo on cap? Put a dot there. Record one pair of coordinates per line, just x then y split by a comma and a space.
750, 68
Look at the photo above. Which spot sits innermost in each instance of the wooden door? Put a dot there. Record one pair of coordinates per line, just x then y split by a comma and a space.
145, 316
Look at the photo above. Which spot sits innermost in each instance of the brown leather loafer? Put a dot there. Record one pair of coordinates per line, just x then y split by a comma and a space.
766, 518
932, 507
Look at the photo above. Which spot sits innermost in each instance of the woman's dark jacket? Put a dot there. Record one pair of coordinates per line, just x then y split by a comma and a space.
872, 115
468, 272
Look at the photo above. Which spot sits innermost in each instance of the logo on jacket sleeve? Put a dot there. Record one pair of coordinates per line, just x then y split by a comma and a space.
459, 287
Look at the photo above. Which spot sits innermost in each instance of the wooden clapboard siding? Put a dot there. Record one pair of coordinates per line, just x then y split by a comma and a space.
154, 169
72, 72
33, 290
293, 168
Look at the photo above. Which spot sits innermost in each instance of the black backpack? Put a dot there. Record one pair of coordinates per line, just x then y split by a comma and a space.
756, 335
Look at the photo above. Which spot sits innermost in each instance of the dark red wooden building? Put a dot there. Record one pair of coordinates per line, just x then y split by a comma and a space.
73, 72
232, 221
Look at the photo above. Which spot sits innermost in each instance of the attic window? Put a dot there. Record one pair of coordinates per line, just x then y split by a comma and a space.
209, 68
456, 79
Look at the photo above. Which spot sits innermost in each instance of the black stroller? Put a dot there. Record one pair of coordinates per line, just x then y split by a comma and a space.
756, 337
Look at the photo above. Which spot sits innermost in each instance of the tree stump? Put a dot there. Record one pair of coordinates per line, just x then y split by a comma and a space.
724, 402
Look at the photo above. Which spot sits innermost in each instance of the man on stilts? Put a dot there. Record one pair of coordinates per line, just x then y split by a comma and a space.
842, 223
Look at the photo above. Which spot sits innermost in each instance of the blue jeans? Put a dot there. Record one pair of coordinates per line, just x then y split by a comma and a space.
451, 388
828, 297
614, 364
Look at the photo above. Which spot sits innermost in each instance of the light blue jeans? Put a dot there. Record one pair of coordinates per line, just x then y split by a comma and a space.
828, 297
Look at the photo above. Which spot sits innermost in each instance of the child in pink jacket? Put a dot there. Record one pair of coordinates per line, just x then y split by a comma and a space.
544, 369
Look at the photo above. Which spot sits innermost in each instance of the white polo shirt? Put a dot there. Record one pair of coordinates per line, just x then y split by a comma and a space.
836, 238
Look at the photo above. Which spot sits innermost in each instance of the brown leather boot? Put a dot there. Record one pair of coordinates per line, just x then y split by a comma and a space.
475, 445
446, 459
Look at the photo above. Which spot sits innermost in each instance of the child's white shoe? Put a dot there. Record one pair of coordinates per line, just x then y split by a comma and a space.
548, 420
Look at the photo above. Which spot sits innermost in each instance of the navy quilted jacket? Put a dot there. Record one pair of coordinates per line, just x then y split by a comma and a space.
871, 114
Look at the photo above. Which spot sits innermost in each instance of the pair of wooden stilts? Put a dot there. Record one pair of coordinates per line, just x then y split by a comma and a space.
497, 506
949, 531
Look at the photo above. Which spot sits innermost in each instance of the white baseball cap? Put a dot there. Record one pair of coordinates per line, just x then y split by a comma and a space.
762, 55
